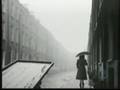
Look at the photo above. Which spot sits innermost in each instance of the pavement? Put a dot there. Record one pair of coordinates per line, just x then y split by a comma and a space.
62, 80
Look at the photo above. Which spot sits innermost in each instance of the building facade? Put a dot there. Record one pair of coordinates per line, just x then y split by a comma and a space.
23, 37
104, 43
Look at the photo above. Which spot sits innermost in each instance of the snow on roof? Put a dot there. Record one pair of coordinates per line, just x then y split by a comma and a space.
23, 74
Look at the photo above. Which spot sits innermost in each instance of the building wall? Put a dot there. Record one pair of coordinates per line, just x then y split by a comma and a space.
103, 42
4, 27
25, 38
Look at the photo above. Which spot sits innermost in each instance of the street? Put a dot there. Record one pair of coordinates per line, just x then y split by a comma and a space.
62, 80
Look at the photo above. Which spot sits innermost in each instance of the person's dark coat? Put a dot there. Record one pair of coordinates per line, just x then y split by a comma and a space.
81, 74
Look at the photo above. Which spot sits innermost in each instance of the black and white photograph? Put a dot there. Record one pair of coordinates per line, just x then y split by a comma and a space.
60, 44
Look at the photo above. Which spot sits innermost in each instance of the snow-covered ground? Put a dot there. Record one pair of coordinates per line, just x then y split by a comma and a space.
62, 80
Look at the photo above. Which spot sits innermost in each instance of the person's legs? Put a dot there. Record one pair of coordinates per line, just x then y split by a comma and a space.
80, 84
83, 83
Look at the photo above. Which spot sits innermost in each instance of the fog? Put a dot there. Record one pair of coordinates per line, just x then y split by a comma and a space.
68, 20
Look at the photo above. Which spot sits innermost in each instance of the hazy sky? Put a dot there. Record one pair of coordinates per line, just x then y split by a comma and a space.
68, 20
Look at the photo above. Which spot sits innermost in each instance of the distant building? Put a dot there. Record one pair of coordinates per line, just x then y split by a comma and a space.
104, 43
23, 37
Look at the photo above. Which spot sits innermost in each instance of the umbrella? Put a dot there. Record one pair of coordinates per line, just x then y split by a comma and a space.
83, 53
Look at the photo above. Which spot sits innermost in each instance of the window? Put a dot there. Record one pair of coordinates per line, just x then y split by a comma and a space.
3, 30
13, 33
3, 59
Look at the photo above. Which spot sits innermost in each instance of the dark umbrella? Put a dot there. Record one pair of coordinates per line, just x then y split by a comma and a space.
83, 53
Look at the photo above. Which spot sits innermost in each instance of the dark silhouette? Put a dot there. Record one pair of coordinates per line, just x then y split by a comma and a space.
81, 74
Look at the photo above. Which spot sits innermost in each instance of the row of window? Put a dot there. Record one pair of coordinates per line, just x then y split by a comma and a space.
30, 40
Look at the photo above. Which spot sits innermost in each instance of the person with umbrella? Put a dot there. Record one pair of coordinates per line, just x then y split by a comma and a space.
81, 73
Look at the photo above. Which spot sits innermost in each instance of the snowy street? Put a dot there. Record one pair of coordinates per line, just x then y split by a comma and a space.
62, 80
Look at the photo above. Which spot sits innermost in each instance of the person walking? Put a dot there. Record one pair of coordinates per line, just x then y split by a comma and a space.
81, 73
